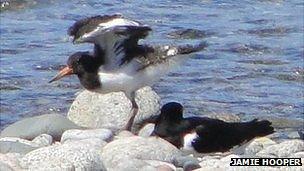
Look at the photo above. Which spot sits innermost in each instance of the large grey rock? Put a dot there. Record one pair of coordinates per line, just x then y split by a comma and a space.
16, 145
137, 148
76, 134
254, 146
284, 149
73, 155
29, 128
112, 110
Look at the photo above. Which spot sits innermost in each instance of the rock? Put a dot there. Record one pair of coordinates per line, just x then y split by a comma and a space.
238, 168
284, 134
224, 165
76, 134
112, 110
228, 158
5, 167
10, 161
135, 147
164, 168
54, 165
254, 146
29, 128
181, 161
215, 163
298, 155
73, 155
139, 165
132, 165
284, 149
161, 165
124, 134
293, 135
43, 140
189, 166
16, 145
146, 130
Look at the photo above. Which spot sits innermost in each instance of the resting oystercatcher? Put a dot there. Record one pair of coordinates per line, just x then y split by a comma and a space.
205, 135
118, 62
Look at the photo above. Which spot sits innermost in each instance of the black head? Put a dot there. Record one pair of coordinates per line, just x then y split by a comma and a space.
170, 116
172, 111
84, 65
82, 62
169, 125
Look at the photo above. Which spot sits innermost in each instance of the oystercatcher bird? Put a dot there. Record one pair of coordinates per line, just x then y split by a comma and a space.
119, 62
205, 135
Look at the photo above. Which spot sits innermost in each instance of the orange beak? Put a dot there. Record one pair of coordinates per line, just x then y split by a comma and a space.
62, 73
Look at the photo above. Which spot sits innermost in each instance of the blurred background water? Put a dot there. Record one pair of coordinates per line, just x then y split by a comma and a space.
252, 66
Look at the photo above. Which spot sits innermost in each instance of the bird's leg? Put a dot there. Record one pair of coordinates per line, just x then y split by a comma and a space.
134, 112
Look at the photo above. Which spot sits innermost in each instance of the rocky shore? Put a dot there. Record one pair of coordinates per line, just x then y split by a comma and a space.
89, 138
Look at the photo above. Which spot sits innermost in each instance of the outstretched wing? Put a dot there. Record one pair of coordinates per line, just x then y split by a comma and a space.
113, 36
170, 56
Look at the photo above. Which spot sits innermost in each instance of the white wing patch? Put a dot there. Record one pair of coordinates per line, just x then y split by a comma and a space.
118, 22
103, 28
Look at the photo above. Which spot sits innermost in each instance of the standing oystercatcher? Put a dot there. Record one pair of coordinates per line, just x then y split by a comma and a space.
205, 135
118, 62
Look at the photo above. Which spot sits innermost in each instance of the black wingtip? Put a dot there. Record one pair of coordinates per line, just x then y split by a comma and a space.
80, 25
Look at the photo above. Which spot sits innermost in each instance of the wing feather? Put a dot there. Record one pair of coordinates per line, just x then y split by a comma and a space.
112, 34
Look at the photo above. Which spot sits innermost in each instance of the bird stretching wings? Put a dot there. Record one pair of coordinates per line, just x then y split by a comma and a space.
119, 63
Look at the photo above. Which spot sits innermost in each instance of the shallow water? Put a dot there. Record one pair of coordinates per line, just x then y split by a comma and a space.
252, 66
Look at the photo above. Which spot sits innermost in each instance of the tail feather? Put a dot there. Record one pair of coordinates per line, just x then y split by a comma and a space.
222, 136
260, 128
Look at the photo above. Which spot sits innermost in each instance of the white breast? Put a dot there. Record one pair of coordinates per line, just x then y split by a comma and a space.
188, 139
129, 79
114, 82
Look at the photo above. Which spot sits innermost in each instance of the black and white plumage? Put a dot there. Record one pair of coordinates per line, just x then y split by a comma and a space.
204, 134
118, 62
114, 36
